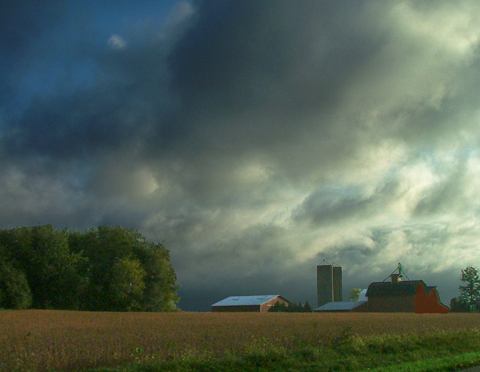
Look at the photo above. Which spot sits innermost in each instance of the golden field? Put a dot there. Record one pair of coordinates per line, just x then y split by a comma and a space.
40, 340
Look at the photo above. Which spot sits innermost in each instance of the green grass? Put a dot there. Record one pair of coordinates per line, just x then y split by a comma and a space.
438, 351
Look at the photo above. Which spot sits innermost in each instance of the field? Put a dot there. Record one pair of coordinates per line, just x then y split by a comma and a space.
35, 340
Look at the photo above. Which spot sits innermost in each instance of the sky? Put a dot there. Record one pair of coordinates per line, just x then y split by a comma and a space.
255, 138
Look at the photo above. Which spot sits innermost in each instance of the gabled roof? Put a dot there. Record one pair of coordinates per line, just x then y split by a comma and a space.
245, 300
340, 306
393, 289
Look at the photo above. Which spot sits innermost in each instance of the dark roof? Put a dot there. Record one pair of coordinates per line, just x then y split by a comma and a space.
393, 289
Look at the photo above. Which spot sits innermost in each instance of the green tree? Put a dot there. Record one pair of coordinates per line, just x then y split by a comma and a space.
161, 281
106, 268
127, 284
458, 305
354, 294
278, 307
14, 289
471, 291
307, 307
43, 255
101, 249
114, 254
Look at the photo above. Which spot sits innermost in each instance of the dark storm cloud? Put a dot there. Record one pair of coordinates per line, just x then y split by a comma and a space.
74, 126
269, 64
22, 22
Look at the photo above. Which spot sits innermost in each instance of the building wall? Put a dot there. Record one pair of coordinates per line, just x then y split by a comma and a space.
401, 304
429, 303
363, 308
236, 309
324, 284
267, 305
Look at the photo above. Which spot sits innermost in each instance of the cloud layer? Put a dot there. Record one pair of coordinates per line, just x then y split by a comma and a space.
256, 139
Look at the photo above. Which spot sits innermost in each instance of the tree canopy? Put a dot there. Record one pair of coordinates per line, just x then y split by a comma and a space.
280, 307
354, 294
469, 293
101, 269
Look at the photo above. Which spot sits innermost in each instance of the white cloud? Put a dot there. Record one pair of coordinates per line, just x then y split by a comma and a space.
117, 42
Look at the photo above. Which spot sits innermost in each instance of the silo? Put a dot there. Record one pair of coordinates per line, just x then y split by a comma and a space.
324, 284
329, 284
337, 284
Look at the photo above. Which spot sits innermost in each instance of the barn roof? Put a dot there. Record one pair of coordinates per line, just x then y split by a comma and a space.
340, 306
245, 300
393, 289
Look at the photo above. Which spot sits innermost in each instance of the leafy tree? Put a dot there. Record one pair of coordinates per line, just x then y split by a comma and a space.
14, 290
278, 307
106, 268
101, 249
114, 254
291, 308
42, 253
161, 280
471, 291
354, 294
458, 305
127, 284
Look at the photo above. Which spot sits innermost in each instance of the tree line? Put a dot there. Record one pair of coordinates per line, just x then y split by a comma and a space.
279, 307
101, 269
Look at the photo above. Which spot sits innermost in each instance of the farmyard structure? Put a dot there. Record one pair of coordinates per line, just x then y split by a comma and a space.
394, 296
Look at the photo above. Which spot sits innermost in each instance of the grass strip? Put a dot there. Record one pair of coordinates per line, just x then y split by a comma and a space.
348, 352
450, 363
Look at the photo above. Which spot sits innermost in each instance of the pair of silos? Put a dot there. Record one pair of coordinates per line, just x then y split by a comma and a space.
329, 284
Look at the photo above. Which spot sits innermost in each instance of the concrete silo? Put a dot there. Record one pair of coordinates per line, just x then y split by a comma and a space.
329, 284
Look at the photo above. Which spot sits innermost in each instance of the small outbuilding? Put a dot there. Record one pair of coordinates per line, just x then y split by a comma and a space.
258, 304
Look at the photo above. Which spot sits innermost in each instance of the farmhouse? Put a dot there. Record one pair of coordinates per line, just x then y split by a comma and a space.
259, 304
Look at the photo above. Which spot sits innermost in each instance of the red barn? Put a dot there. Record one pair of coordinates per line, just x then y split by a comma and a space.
404, 296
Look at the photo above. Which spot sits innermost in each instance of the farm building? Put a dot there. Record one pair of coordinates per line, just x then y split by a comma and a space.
344, 307
395, 296
259, 304
360, 305
404, 296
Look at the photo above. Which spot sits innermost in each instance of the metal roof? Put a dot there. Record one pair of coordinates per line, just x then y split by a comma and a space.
245, 300
340, 306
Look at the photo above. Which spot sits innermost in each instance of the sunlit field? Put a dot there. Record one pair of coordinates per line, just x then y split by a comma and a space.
35, 340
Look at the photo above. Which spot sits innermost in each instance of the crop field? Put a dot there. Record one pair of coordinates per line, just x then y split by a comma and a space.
39, 340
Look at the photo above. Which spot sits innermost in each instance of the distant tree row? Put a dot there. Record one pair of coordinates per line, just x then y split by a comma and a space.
102, 269
291, 308
468, 301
